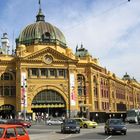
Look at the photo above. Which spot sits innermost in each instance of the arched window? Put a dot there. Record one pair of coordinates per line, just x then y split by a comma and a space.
95, 86
81, 85
48, 96
6, 76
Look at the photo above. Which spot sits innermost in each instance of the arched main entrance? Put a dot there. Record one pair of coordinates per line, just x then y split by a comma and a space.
49, 102
7, 111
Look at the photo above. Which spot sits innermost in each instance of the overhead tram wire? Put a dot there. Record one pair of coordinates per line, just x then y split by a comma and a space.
102, 13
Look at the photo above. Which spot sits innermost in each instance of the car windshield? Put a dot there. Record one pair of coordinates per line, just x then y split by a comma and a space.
84, 119
1, 132
131, 113
116, 122
71, 122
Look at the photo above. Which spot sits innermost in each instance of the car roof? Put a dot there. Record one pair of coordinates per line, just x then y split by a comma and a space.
115, 119
9, 126
77, 118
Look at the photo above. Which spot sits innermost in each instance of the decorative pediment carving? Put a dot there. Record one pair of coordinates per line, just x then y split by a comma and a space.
48, 55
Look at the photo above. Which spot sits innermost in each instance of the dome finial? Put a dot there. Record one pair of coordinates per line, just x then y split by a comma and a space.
40, 16
39, 2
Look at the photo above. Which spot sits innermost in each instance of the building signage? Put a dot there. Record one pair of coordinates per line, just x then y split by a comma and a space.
23, 90
72, 90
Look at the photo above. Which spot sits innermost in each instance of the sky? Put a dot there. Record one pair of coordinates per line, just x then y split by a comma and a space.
108, 29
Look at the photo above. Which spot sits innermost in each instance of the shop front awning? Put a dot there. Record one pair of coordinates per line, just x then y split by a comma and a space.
48, 106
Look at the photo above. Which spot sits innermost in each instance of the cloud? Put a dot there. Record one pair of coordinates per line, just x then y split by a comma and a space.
112, 36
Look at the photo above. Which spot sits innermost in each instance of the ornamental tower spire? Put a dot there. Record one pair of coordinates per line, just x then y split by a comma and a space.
40, 16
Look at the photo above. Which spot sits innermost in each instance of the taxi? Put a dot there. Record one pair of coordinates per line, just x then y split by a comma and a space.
86, 123
13, 132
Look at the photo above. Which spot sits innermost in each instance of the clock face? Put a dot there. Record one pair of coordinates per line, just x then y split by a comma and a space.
48, 59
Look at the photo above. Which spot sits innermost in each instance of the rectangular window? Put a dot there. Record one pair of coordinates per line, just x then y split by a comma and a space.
96, 105
61, 72
13, 91
103, 106
79, 90
102, 93
6, 91
34, 72
52, 72
43, 72
95, 92
1, 91
20, 131
10, 133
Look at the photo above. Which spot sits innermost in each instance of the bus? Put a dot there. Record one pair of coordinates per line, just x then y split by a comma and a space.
133, 116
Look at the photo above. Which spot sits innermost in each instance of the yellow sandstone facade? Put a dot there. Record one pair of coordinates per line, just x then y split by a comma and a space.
46, 77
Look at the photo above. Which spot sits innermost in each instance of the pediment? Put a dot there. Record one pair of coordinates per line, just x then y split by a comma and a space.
47, 53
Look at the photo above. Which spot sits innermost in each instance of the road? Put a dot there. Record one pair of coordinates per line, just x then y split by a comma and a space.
45, 132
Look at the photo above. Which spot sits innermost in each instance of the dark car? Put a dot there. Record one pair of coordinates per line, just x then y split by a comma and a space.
115, 126
69, 126
19, 122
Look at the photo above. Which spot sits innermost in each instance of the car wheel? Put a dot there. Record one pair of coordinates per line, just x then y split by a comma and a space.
49, 124
78, 131
106, 132
62, 131
124, 133
85, 126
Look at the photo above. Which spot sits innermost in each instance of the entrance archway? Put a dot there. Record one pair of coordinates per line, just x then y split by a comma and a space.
7, 111
49, 102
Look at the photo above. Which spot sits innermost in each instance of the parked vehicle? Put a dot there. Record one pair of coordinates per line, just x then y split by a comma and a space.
13, 132
69, 126
115, 126
86, 123
19, 122
3, 121
54, 121
133, 116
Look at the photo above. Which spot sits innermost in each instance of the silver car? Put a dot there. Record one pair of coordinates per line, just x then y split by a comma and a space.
54, 121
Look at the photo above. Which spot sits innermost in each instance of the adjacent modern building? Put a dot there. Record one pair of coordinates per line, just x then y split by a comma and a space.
44, 76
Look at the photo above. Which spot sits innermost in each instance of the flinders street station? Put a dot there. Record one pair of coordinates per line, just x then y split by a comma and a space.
44, 76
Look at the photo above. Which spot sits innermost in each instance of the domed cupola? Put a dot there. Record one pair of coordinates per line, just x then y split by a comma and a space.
81, 52
41, 32
126, 77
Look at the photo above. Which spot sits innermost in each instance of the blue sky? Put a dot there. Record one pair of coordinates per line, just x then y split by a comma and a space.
108, 29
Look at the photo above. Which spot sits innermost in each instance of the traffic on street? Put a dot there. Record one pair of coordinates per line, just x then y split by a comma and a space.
53, 132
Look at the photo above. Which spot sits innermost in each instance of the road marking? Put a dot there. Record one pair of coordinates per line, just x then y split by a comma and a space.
108, 137
66, 137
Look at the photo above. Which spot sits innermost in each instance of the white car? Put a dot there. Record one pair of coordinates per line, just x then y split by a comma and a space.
54, 122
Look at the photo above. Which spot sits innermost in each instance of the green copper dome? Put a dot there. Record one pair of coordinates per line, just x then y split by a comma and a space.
81, 52
41, 32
